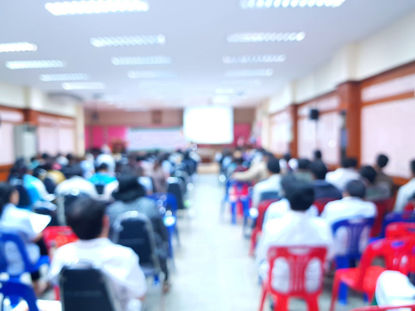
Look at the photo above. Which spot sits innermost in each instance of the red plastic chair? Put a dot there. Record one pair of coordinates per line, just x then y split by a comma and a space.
320, 204
399, 230
298, 259
398, 255
375, 308
410, 207
57, 236
262, 209
383, 207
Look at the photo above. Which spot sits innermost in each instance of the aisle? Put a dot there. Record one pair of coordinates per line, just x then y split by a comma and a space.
213, 269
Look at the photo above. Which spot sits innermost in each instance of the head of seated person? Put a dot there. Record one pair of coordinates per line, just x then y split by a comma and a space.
412, 164
129, 189
368, 174
273, 166
73, 171
8, 194
103, 168
87, 218
318, 170
355, 189
381, 161
317, 155
349, 163
299, 193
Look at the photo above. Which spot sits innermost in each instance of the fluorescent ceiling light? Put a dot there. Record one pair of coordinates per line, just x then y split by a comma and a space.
254, 59
149, 74
69, 86
145, 60
128, 40
34, 64
266, 4
223, 91
63, 77
17, 47
221, 99
96, 7
253, 37
249, 73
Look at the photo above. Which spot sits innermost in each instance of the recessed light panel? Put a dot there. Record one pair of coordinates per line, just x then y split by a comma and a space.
128, 41
96, 7
69, 86
17, 47
34, 64
256, 37
64, 77
254, 59
149, 74
249, 73
145, 60
267, 4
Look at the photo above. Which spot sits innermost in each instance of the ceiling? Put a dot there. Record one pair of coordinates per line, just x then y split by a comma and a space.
196, 41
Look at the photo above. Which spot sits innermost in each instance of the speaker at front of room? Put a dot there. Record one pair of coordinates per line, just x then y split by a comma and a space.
314, 114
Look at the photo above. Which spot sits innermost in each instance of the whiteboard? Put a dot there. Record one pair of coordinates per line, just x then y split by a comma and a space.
388, 128
153, 138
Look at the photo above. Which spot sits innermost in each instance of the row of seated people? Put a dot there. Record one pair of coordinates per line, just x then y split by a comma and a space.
93, 219
293, 220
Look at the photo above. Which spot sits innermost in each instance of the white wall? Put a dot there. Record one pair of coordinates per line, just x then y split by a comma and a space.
12, 96
39, 101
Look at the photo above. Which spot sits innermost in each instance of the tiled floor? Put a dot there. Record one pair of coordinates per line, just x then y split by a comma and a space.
213, 271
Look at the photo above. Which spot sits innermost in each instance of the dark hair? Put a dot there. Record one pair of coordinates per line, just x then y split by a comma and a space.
369, 173
356, 188
73, 171
85, 217
318, 169
303, 164
317, 155
18, 170
102, 167
273, 165
129, 189
287, 156
349, 162
6, 191
299, 193
382, 160
413, 167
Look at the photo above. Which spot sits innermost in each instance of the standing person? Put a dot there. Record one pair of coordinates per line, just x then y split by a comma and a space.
131, 197
382, 178
344, 174
407, 191
87, 219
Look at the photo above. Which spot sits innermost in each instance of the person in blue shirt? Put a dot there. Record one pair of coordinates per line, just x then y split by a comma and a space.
102, 177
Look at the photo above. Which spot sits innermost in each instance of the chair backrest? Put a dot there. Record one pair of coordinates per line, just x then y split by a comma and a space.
410, 207
269, 195
320, 204
397, 253
100, 188
399, 230
10, 242
166, 200
305, 269
13, 290
377, 308
238, 190
174, 188
83, 288
57, 236
134, 230
408, 216
24, 197
383, 207
262, 209
356, 241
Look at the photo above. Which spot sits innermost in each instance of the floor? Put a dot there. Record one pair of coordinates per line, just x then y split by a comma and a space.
212, 270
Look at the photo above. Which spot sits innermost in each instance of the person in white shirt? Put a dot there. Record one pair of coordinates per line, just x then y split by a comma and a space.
75, 184
295, 228
351, 206
106, 158
272, 183
344, 174
394, 288
406, 192
120, 264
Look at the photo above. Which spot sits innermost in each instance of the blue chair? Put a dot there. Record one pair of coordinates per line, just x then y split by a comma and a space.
9, 237
354, 228
408, 216
15, 291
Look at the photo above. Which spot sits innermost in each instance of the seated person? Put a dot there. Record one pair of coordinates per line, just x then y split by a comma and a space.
131, 197
351, 206
258, 169
295, 228
28, 225
75, 184
322, 188
406, 191
87, 219
374, 192
302, 171
272, 183
102, 175
381, 177
394, 289
344, 174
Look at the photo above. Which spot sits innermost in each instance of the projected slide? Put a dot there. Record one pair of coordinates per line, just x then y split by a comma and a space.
208, 125
153, 138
